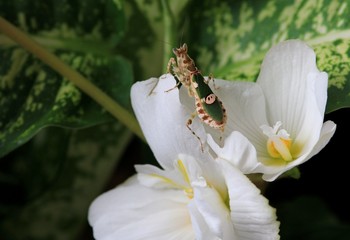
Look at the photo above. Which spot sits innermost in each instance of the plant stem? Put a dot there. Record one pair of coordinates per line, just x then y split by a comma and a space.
78, 79
169, 31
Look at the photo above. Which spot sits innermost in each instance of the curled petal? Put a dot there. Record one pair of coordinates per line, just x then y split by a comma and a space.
239, 151
327, 132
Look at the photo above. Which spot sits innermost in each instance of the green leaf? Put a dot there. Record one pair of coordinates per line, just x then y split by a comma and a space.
232, 37
83, 36
93, 26
146, 42
46, 196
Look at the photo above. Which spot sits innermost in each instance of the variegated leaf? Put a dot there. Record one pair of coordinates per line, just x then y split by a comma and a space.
234, 37
82, 34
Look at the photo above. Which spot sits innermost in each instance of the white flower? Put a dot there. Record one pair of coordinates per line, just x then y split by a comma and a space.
282, 113
193, 196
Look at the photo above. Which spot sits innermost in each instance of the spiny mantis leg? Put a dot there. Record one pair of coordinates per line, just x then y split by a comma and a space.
189, 122
176, 85
154, 87
171, 62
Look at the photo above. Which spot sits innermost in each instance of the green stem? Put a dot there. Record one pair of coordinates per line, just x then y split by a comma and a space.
169, 31
79, 80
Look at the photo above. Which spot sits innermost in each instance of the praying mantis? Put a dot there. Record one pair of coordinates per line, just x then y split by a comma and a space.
209, 108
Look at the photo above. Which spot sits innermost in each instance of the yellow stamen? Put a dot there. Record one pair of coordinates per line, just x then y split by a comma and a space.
189, 192
183, 171
279, 147
279, 143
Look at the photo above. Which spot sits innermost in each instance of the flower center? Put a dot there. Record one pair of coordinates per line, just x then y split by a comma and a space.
279, 143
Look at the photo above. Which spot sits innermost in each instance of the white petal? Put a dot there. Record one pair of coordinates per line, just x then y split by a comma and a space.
214, 212
200, 227
251, 214
321, 87
289, 78
132, 211
203, 172
185, 170
309, 122
327, 132
152, 176
238, 151
163, 120
245, 107
272, 173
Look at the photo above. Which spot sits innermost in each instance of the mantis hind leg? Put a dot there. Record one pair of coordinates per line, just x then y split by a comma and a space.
188, 125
